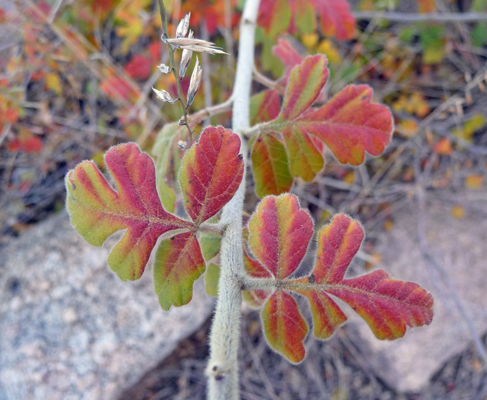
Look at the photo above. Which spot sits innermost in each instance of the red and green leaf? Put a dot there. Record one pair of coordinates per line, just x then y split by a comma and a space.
264, 106
388, 305
178, 264
288, 55
97, 211
335, 18
255, 298
349, 124
270, 165
279, 234
278, 16
211, 173
284, 327
305, 83
274, 16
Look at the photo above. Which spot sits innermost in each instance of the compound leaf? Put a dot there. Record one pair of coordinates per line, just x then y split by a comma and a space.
97, 211
389, 306
349, 124
284, 327
178, 264
270, 165
279, 234
211, 173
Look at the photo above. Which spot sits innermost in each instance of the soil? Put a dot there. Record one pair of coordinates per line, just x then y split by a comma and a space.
336, 369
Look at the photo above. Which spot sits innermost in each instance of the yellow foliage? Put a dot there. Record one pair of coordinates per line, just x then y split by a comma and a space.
470, 127
457, 212
474, 181
327, 48
53, 82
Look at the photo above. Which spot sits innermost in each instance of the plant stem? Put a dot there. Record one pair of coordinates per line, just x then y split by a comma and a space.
172, 64
222, 370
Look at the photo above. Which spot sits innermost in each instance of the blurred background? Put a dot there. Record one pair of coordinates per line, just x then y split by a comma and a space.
76, 77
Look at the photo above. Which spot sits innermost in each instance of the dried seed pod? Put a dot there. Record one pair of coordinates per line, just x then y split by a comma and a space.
164, 68
195, 82
183, 26
185, 58
198, 45
164, 96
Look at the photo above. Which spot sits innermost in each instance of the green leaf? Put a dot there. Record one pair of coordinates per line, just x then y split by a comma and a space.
178, 264
212, 275
270, 166
479, 34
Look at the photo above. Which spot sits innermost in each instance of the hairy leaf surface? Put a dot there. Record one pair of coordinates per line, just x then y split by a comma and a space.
97, 211
211, 172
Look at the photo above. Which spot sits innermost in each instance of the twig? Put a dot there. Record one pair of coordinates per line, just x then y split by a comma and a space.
264, 80
222, 370
430, 17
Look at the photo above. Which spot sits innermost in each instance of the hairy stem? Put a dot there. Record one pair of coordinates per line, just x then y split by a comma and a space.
172, 64
222, 370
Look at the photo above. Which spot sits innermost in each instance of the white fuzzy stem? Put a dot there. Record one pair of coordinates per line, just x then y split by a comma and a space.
222, 370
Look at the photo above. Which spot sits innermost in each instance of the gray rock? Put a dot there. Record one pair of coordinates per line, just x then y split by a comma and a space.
70, 329
407, 364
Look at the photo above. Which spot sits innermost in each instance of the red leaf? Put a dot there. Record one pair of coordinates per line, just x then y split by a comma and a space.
211, 173
270, 166
97, 211
336, 19
386, 304
139, 67
350, 124
178, 264
288, 55
279, 234
284, 327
